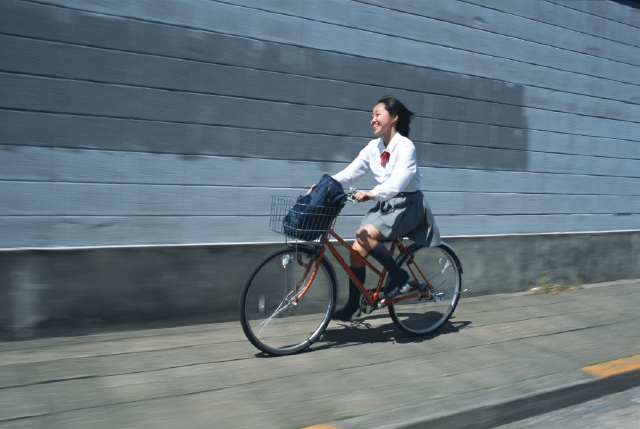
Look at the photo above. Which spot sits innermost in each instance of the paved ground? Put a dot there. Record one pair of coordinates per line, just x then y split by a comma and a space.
501, 358
617, 411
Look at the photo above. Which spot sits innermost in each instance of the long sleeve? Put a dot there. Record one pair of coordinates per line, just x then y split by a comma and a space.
354, 171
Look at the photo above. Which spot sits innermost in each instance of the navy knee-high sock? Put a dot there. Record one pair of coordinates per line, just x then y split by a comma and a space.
354, 293
381, 254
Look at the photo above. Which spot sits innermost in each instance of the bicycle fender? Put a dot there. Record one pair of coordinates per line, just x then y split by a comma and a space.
455, 255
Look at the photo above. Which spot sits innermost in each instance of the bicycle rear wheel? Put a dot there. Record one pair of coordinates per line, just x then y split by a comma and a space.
280, 315
439, 267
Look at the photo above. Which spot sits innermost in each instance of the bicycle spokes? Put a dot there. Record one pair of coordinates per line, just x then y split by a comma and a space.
437, 291
282, 307
445, 266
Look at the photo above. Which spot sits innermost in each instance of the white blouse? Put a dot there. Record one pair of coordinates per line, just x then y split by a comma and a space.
399, 174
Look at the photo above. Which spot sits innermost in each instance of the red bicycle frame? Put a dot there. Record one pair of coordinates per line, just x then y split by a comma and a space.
372, 297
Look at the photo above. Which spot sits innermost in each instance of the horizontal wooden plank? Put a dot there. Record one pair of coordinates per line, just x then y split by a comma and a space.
91, 166
557, 101
617, 12
110, 167
117, 231
478, 225
578, 124
466, 180
74, 131
559, 163
576, 144
75, 199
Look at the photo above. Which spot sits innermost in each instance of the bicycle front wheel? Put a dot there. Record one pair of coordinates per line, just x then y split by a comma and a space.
284, 307
439, 267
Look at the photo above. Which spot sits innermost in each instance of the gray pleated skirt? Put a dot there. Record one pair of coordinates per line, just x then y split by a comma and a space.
405, 215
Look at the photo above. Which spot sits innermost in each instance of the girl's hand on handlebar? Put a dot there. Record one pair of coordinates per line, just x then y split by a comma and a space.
363, 196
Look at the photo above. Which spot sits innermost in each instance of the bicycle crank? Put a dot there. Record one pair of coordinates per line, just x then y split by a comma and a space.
365, 308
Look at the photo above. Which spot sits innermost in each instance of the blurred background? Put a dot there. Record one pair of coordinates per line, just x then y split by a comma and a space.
140, 142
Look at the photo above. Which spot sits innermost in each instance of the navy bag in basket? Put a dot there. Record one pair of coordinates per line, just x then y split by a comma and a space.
313, 213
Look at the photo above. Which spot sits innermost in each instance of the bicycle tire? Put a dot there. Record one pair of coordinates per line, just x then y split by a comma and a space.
269, 319
439, 265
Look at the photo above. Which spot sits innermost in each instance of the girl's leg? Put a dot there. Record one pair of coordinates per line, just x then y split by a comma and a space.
367, 237
352, 307
369, 242
362, 245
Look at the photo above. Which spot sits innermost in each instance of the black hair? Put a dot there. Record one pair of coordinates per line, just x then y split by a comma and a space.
395, 107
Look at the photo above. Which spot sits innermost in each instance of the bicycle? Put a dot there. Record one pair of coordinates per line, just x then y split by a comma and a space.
282, 314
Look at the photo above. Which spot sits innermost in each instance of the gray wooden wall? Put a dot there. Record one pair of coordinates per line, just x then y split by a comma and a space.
162, 122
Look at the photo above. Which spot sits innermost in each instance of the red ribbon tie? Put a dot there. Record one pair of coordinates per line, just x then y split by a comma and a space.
384, 157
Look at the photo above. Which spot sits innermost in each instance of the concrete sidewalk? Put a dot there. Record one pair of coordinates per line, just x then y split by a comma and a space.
501, 358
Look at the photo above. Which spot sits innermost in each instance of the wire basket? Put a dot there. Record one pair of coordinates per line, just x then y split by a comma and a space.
298, 220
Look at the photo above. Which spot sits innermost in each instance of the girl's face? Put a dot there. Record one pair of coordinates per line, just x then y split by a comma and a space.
381, 121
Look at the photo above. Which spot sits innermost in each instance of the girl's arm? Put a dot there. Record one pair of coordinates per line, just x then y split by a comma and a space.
354, 171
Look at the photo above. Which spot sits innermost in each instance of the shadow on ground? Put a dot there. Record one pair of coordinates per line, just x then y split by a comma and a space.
368, 331
363, 331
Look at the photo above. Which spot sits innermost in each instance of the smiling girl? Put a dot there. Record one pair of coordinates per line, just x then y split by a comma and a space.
400, 210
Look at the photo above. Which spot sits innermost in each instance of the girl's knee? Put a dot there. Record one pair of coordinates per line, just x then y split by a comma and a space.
362, 237
360, 250
362, 230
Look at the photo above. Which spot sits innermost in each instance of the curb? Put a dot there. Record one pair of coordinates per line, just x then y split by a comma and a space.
488, 414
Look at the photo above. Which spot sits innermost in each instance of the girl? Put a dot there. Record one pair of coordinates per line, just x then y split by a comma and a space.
400, 210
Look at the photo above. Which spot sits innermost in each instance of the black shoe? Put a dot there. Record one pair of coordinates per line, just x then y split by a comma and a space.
346, 314
396, 286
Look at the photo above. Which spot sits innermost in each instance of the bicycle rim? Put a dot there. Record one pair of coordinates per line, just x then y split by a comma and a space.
278, 316
421, 317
